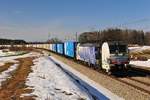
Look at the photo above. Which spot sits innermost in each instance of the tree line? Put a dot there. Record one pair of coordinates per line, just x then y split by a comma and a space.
126, 35
11, 42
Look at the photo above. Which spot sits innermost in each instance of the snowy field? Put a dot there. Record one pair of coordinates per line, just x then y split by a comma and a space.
3, 60
50, 82
139, 48
10, 53
141, 63
6, 53
6, 74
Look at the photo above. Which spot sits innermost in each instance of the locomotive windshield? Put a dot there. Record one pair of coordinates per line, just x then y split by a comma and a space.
118, 48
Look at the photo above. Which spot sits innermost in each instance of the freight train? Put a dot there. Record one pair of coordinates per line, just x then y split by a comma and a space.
106, 56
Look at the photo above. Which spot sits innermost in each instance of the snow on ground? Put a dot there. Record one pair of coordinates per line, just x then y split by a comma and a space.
139, 48
50, 82
6, 53
6, 74
98, 91
141, 63
3, 60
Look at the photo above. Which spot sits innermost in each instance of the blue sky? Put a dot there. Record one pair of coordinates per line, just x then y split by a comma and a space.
33, 20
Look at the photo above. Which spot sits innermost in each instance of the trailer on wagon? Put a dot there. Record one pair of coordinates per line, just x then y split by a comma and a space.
88, 53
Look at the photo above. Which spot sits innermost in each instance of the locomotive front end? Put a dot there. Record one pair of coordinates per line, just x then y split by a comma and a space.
119, 58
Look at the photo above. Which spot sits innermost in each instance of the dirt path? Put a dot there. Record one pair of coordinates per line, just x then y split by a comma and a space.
15, 86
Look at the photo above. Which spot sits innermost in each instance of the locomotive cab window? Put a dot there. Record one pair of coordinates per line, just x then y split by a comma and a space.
118, 48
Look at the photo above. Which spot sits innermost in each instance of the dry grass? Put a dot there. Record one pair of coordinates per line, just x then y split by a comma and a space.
145, 54
5, 66
146, 51
15, 86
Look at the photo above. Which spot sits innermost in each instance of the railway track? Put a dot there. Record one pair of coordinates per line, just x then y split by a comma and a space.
136, 84
131, 78
139, 81
128, 79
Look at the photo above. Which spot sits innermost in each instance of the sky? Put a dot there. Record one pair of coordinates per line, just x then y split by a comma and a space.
40, 20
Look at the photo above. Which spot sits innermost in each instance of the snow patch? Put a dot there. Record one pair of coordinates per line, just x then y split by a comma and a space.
139, 48
141, 63
6, 53
3, 60
49, 82
6, 74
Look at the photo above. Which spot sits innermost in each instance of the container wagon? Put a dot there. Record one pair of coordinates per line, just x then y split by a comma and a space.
60, 48
47, 46
54, 47
70, 49
50, 47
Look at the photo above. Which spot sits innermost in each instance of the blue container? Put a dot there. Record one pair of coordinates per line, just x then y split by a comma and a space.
60, 48
54, 47
69, 49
